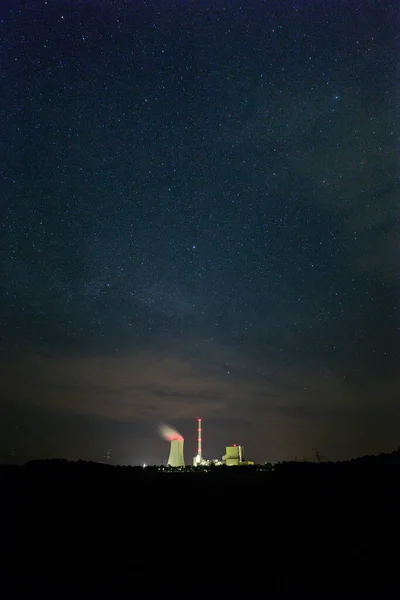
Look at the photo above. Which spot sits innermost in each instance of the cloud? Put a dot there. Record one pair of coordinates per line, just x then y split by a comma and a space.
154, 383
281, 410
144, 385
285, 398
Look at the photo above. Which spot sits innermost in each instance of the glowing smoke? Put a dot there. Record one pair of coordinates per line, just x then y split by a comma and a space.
168, 433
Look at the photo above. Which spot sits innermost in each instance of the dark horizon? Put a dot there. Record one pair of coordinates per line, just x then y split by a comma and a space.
199, 219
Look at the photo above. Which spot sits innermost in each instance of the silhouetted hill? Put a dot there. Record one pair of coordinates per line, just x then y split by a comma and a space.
336, 521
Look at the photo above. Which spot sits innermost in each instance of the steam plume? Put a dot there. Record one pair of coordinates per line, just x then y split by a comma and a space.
168, 433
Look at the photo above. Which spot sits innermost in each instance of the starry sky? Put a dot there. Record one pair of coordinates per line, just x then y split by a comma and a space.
199, 217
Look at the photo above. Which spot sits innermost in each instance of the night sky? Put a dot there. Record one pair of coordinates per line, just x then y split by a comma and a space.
199, 217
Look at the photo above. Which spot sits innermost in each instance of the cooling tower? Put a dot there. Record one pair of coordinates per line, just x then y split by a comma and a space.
176, 453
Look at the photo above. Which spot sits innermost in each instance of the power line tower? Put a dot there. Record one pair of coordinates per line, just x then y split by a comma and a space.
317, 455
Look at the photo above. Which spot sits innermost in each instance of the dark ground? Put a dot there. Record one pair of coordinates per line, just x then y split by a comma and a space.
328, 527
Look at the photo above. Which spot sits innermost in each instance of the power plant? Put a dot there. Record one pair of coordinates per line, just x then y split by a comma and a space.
234, 455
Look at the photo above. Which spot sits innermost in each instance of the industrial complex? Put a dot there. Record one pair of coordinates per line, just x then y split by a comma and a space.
233, 457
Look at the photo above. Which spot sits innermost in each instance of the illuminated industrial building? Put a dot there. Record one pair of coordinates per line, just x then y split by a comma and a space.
176, 458
234, 457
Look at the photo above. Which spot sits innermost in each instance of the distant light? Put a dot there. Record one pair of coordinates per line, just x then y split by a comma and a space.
144, 466
234, 445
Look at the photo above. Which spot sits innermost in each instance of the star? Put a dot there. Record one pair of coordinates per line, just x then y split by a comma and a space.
180, 202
